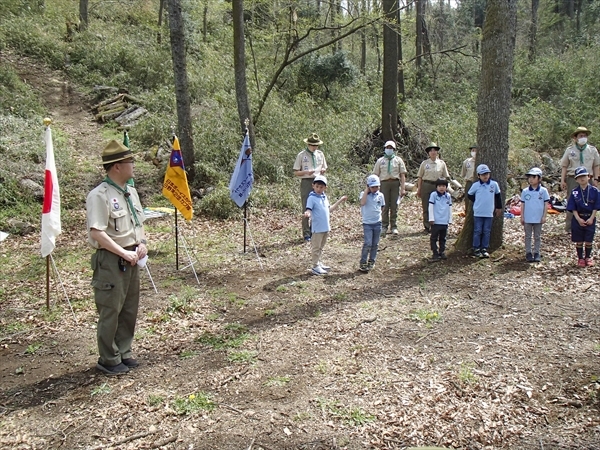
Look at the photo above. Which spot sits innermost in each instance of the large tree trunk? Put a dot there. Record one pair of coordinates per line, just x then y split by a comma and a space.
182, 96
389, 92
493, 105
239, 65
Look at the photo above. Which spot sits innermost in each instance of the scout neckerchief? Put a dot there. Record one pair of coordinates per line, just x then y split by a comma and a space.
313, 158
389, 158
127, 195
581, 150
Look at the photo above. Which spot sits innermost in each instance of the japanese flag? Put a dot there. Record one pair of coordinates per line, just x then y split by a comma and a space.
51, 209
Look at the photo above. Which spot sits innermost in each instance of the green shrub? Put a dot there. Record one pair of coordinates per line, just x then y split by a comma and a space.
218, 204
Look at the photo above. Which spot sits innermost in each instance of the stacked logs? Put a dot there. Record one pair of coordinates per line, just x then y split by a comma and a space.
122, 108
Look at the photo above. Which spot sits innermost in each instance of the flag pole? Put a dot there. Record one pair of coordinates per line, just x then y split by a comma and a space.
48, 281
245, 222
176, 242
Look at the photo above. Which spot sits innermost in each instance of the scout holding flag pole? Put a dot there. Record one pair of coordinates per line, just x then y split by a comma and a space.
177, 190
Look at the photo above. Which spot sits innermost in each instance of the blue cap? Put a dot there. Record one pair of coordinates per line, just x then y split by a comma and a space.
373, 180
482, 169
581, 171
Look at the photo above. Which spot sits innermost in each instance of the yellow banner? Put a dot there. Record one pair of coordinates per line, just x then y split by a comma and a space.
175, 185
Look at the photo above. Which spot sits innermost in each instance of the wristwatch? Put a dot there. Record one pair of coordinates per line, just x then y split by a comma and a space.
143, 241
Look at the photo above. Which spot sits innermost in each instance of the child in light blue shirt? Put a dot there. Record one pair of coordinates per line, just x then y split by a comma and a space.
534, 204
440, 216
372, 202
317, 210
485, 195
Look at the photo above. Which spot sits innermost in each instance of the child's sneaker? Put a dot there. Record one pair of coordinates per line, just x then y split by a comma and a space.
581, 262
318, 271
443, 255
589, 262
537, 257
477, 253
435, 258
370, 264
529, 257
484, 253
363, 267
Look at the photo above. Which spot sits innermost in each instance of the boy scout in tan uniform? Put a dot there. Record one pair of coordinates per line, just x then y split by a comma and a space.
115, 229
579, 153
309, 163
430, 170
391, 171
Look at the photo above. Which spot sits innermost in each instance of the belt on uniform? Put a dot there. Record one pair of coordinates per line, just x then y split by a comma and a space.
391, 179
131, 248
585, 215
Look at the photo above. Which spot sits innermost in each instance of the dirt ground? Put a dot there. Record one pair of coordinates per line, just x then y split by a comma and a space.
259, 354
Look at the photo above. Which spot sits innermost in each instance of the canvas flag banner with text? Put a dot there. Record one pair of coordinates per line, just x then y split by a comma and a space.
51, 209
242, 179
175, 185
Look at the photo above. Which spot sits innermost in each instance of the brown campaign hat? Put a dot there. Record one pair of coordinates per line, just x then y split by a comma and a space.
313, 139
581, 130
115, 151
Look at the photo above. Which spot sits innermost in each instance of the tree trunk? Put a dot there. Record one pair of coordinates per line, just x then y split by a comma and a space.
83, 15
205, 22
389, 92
363, 40
239, 67
401, 90
161, 7
493, 104
182, 96
419, 37
533, 29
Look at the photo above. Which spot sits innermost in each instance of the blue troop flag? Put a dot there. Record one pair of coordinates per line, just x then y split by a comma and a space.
242, 179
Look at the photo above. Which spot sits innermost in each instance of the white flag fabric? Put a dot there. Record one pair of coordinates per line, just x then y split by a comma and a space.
51, 209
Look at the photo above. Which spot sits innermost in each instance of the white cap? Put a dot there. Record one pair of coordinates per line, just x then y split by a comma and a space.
320, 178
373, 180
390, 143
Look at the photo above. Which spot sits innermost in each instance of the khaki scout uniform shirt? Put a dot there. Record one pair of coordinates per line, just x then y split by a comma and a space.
432, 170
108, 210
468, 169
304, 161
571, 159
381, 168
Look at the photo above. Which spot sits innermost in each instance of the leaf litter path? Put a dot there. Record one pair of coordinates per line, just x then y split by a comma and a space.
466, 353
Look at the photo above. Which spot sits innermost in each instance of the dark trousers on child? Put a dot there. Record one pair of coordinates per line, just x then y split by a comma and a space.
438, 233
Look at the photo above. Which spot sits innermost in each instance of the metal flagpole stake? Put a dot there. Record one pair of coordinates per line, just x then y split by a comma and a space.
63, 287
150, 276
254, 245
191, 264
